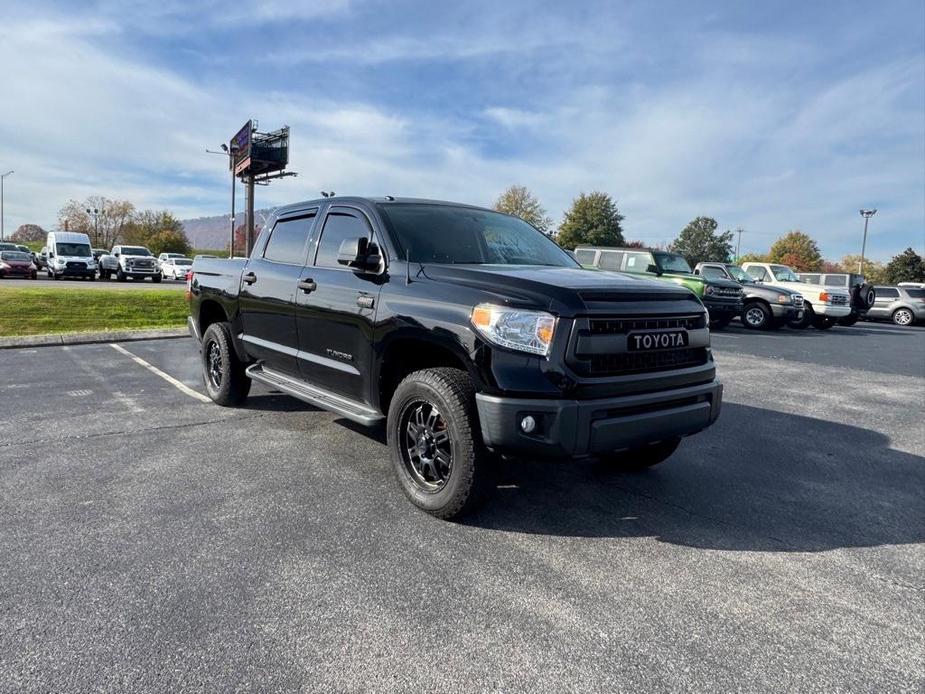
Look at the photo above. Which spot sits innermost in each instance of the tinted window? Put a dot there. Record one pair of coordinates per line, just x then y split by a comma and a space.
811, 279
611, 260
638, 262
916, 293
836, 281
451, 234
887, 293
586, 258
338, 228
287, 241
15, 255
758, 272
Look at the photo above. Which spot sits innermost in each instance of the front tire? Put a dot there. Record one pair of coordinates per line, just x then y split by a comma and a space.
720, 323
120, 275
637, 459
222, 372
435, 443
156, 279
757, 316
849, 320
808, 316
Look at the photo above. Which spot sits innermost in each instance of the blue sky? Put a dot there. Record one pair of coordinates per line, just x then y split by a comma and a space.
769, 116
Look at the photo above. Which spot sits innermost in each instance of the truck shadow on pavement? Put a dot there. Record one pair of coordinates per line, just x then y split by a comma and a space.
759, 480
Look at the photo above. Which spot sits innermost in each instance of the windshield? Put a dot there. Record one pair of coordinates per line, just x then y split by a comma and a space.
447, 234
738, 274
783, 273
14, 255
79, 249
712, 273
135, 250
669, 262
182, 261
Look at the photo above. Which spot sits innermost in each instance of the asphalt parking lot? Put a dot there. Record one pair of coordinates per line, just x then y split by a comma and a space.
153, 541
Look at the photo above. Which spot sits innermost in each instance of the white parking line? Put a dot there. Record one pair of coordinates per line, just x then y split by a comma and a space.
182, 387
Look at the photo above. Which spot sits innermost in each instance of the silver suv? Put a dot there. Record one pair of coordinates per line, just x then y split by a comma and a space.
902, 305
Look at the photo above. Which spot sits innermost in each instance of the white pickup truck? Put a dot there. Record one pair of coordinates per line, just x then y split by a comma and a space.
822, 306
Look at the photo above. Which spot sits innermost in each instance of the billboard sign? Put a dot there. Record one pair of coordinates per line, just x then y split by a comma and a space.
241, 148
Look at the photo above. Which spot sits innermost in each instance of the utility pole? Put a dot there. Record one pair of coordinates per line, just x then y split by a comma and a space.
8, 173
866, 214
249, 221
739, 231
95, 213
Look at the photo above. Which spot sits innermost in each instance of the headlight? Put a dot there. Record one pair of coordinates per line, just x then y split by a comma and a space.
60, 261
525, 331
783, 299
709, 289
4, 266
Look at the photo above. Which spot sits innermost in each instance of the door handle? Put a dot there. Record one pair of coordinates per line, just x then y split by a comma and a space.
249, 278
365, 300
307, 286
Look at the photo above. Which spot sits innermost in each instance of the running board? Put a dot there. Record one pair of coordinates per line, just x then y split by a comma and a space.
315, 396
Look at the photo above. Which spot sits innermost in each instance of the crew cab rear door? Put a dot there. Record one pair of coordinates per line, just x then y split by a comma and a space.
336, 306
268, 290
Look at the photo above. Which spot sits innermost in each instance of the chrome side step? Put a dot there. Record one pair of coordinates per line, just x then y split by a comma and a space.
315, 396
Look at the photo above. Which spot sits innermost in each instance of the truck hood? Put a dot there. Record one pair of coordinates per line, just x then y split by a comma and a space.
702, 280
544, 286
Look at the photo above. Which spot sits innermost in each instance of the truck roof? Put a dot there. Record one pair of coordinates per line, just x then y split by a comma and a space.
69, 237
377, 200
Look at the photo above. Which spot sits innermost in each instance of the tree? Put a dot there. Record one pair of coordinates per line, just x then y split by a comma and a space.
698, 242
753, 258
145, 225
105, 229
908, 266
169, 241
634, 244
874, 272
28, 233
798, 250
593, 220
520, 202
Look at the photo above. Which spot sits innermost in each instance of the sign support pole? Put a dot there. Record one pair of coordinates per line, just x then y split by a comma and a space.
249, 223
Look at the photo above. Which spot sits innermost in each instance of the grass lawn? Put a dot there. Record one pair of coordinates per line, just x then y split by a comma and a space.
39, 311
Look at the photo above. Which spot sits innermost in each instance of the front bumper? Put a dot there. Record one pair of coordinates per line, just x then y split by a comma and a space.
722, 307
74, 272
786, 312
574, 428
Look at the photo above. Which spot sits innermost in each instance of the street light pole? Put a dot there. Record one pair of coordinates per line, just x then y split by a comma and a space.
866, 214
8, 173
95, 213
739, 231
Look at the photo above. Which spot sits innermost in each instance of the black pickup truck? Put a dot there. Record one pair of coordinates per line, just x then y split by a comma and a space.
468, 332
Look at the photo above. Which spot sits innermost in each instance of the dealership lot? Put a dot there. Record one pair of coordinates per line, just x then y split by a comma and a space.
156, 541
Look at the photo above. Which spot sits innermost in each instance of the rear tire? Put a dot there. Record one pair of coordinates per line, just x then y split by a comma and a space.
637, 459
222, 372
824, 322
903, 317
757, 316
435, 443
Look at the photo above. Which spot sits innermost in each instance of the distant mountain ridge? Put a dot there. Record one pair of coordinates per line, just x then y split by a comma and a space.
213, 232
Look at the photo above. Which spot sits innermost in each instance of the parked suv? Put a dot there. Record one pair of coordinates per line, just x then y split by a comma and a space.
722, 297
130, 262
765, 307
902, 305
862, 292
466, 331
822, 306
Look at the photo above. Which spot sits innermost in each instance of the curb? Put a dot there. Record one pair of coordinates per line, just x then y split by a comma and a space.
91, 338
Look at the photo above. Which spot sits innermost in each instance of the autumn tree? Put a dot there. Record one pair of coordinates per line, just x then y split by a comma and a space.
105, 227
698, 242
520, 202
874, 272
28, 233
753, 258
908, 266
592, 220
798, 250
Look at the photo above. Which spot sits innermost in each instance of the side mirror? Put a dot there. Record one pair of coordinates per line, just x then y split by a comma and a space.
654, 269
116, 254
359, 253
51, 254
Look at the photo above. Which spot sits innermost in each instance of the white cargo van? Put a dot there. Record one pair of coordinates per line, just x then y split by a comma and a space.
69, 255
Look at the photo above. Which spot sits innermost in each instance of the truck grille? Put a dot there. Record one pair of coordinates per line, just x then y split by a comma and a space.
839, 300
727, 292
645, 362
619, 326
142, 263
798, 300
75, 265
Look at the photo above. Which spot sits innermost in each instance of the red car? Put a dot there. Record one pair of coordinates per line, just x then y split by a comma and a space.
16, 264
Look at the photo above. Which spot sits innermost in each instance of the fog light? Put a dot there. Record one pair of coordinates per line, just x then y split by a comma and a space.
527, 425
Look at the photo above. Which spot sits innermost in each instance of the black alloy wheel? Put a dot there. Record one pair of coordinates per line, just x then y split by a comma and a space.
426, 448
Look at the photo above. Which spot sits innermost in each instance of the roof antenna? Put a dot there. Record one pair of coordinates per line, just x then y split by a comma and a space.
408, 267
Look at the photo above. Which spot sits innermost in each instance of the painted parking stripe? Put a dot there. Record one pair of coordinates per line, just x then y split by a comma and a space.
182, 387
